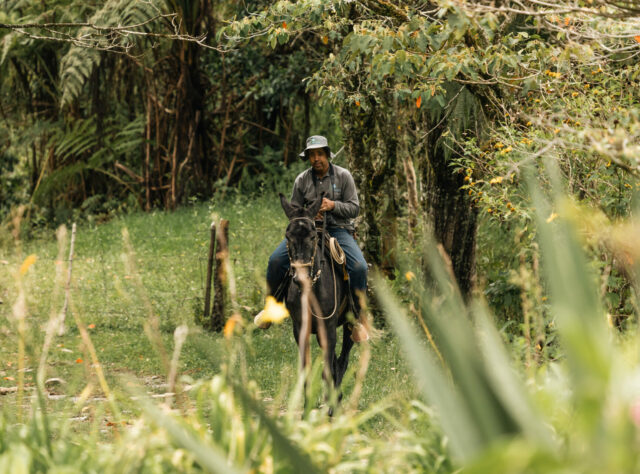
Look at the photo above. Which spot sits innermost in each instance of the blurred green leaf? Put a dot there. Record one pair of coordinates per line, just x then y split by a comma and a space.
209, 457
299, 460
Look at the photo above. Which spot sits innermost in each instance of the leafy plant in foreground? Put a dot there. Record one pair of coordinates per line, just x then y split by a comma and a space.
579, 414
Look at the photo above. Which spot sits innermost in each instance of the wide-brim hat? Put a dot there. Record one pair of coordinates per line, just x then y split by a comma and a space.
316, 141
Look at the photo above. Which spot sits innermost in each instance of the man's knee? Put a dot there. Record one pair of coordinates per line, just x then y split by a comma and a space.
358, 275
279, 259
276, 261
360, 268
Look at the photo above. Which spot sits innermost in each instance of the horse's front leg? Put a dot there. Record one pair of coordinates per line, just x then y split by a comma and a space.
303, 343
327, 341
343, 360
326, 336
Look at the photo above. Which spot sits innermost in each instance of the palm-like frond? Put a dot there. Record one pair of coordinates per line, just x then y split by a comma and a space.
83, 147
80, 62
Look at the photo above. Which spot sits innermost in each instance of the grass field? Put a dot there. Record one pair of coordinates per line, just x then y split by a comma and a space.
157, 274
138, 282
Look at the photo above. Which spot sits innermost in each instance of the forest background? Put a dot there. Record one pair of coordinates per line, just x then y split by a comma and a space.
446, 112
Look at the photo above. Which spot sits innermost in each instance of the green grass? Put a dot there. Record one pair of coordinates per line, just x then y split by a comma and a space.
169, 253
576, 414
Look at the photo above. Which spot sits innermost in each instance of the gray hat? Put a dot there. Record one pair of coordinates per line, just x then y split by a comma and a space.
316, 141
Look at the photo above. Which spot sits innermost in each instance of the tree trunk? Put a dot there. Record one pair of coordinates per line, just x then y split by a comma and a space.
454, 219
372, 148
450, 209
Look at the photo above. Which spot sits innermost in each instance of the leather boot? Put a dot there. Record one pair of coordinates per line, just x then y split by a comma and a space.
359, 332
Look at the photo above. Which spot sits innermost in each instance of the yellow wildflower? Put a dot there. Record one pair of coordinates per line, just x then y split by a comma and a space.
274, 312
30, 260
230, 325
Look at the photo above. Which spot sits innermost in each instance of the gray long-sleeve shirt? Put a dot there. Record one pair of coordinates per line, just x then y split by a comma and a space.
338, 185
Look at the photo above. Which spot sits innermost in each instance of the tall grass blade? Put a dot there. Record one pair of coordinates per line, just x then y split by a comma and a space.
209, 457
506, 383
446, 315
300, 462
454, 414
575, 305
478, 396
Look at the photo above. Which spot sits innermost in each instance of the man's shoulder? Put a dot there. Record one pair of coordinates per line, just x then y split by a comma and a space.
340, 171
306, 174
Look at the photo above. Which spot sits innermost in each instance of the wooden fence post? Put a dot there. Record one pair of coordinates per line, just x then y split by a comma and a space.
207, 291
220, 277
67, 289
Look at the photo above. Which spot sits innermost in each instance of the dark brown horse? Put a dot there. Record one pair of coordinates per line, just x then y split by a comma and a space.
318, 299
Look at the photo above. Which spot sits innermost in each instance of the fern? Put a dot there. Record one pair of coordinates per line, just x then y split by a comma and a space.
82, 147
80, 62
57, 182
80, 138
463, 113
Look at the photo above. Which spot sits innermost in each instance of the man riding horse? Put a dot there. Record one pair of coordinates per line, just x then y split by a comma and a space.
340, 206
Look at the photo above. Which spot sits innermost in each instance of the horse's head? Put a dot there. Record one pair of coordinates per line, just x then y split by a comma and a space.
301, 236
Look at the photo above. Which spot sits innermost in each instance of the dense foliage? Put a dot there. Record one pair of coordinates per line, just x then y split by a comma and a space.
99, 120
458, 119
443, 103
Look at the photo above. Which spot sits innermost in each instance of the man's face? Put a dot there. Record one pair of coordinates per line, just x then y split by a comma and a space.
319, 160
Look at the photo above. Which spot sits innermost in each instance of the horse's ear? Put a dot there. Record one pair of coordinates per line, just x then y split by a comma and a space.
286, 206
315, 206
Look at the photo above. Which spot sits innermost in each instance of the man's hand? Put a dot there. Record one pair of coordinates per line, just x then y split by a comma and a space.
327, 205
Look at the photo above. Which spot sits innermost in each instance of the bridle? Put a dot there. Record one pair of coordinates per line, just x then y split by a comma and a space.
317, 275
315, 250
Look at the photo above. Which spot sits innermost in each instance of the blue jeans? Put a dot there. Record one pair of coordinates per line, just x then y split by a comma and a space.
356, 264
